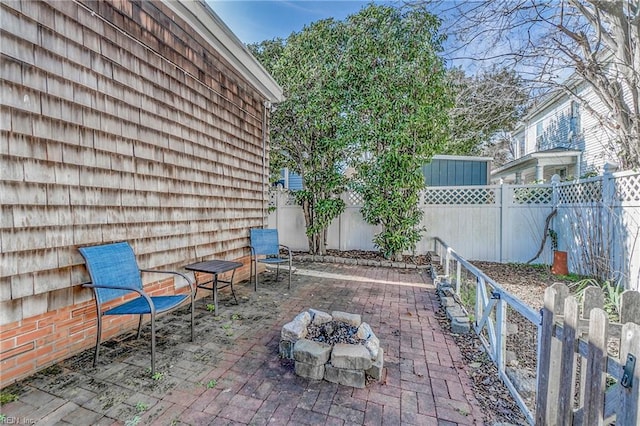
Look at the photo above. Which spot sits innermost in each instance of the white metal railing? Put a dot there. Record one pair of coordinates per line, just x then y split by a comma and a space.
490, 314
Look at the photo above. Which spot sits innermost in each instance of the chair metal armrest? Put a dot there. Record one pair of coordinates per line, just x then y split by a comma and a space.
115, 287
286, 248
158, 271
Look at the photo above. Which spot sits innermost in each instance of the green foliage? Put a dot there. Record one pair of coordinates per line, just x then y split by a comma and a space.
553, 235
141, 406
227, 329
325, 210
211, 384
397, 112
612, 295
133, 422
211, 307
468, 297
7, 397
371, 87
157, 376
305, 127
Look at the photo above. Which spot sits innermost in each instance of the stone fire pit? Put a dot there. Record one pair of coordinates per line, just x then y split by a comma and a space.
336, 347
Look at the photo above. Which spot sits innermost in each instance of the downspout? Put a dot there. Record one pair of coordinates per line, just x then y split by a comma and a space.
265, 106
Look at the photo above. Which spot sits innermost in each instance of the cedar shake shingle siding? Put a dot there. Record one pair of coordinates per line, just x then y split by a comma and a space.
118, 121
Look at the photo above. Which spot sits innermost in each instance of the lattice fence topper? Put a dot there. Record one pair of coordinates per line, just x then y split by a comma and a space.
290, 200
532, 195
354, 199
440, 196
281, 198
582, 192
628, 188
273, 198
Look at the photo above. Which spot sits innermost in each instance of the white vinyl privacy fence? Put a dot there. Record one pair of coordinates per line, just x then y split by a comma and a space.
597, 221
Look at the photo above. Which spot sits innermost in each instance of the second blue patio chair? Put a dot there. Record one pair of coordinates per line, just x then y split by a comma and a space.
264, 242
115, 273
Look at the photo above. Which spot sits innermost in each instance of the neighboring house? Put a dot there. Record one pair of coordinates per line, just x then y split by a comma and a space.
443, 170
558, 136
289, 180
132, 120
454, 170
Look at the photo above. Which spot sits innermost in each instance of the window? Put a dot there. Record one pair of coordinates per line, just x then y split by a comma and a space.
539, 135
562, 173
521, 147
575, 120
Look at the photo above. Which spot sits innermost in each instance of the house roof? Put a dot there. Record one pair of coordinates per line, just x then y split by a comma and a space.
461, 157
555, 156
209, 25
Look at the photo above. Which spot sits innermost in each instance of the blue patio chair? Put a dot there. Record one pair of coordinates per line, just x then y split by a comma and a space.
114, 273
264, 242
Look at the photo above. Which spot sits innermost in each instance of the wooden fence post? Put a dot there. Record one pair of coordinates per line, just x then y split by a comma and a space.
549, 353
544, 355
593, 389
557, 382
630, 307
567, 374
592, 298
630, 396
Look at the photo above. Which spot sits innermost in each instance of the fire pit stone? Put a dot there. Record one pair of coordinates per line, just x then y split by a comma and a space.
311, 357
339, 348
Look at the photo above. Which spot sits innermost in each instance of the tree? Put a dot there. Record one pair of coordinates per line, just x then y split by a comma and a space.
598, 40
487, 106
396, 111
372, 84
304, 128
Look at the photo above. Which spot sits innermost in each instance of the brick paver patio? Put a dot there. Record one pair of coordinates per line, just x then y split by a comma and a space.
232, 375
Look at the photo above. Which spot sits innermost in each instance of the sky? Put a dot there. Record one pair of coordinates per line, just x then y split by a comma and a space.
253, 21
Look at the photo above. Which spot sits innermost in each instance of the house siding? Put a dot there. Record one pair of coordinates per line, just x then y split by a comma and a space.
456, 172
118, 122
599, 145
563, 128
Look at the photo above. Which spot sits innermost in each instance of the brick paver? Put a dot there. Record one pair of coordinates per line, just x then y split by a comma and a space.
243, 382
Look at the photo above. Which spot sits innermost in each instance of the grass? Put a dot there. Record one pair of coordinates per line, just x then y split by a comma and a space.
133, 422
157, 376
6, 397
141, 406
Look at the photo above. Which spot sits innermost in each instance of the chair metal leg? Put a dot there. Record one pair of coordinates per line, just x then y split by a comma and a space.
233, 274
139, 327
153, 344
289, 273
255, 284
193, 305
95, 354
255, 274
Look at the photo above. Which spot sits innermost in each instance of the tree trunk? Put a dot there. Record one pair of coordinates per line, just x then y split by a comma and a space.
306, 210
